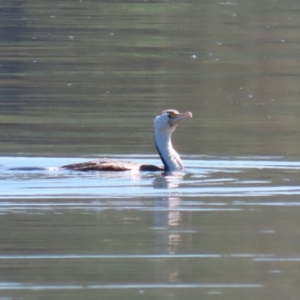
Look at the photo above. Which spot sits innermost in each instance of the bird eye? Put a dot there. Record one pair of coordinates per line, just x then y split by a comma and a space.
171, 114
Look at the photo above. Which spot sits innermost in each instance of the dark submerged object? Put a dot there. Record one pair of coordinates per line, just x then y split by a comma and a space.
165, 124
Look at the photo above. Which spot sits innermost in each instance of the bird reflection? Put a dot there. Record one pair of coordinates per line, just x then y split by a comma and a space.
168, 237
167, 218
165, 181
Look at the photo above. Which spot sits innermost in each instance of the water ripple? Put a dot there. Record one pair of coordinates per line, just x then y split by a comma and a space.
21, 286
234, 177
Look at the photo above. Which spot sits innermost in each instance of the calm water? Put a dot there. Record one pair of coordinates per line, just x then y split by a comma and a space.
84, 79
227, 228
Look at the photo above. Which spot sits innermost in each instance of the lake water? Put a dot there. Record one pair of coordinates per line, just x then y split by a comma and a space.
84, 79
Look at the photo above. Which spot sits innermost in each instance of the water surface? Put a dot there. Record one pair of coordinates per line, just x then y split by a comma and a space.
84, 79
220, 228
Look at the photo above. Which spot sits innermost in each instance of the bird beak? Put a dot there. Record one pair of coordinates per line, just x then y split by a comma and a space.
180, 117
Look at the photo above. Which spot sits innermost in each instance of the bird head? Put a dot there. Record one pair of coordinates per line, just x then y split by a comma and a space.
168, 120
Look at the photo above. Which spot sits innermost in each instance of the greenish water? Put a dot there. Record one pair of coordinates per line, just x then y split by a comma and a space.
84, 79
87, 77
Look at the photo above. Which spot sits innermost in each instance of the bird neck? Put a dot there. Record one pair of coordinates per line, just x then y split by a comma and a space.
167, 153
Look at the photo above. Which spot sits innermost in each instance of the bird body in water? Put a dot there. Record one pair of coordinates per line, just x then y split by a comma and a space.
165, 124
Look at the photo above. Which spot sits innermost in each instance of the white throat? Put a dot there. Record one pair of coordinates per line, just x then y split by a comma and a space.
167, 153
